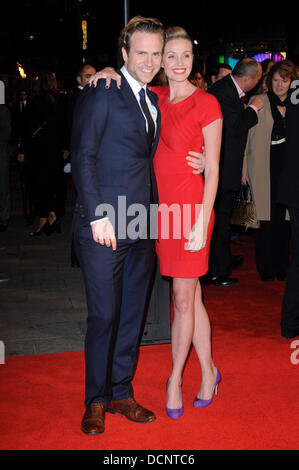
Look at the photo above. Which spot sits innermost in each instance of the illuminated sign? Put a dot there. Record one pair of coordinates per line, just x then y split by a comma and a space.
84, 35
21, 70
276, 57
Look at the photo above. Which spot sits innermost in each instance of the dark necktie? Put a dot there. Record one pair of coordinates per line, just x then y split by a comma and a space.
150, 122
243, 101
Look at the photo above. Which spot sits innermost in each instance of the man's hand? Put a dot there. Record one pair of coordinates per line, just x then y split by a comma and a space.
108, 73
103, 233
197, 161
257, 102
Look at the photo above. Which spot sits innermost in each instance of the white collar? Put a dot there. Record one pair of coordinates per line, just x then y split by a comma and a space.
134, 84
239, 89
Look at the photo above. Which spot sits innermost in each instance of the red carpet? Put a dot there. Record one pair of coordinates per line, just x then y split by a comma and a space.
257, 407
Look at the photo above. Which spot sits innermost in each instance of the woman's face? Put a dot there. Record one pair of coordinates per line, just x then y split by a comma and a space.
178, 59
280, 85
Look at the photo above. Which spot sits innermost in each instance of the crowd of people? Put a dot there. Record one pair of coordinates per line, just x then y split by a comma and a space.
40, 129
129, 137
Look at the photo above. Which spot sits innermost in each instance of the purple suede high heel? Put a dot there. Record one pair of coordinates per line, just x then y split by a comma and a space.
199, 403
174, 412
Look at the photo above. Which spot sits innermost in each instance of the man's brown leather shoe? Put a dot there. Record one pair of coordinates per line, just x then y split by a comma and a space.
93, 421
131, 410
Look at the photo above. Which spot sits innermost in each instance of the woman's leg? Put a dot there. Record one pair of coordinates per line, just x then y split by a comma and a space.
181, 335
41, 200
202, 343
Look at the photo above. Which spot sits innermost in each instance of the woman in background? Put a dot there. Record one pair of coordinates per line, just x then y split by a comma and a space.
44, 141
264, 156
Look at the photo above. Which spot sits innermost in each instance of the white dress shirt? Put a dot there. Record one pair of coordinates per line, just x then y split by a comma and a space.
136, 87
241, 93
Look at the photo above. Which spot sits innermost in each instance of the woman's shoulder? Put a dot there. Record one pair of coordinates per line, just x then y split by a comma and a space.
204, 95
262, 96
205, 98
160, 90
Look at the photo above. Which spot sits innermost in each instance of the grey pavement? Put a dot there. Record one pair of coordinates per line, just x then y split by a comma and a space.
42, 305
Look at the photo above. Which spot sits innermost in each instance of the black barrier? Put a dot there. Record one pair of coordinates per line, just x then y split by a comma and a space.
157, 321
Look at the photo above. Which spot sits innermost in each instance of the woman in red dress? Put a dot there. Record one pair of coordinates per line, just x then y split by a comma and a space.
191, 118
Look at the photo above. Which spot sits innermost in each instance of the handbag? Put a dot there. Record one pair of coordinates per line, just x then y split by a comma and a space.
244, 212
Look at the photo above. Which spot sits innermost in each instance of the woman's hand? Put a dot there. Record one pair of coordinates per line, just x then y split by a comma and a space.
244, 179
197, 238
108, 73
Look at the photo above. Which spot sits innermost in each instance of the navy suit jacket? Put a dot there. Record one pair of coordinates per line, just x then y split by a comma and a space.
109, 151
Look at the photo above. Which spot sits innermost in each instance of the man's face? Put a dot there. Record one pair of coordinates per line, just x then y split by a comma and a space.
85, 75
143, 61
23, 96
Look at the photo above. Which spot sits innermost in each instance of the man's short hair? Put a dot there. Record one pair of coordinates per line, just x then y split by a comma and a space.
246, 66
81, 68
216, 68
139, 23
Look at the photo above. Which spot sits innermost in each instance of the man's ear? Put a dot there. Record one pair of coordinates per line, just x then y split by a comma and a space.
78, 78
124, 54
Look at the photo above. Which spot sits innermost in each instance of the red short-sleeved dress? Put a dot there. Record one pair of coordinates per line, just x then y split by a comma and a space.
180, 191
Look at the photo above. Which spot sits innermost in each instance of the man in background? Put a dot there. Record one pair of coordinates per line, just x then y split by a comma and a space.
288, 194
83, 75
5, 135
220, 71
237, 120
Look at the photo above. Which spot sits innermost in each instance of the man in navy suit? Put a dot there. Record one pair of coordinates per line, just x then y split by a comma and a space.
114, 138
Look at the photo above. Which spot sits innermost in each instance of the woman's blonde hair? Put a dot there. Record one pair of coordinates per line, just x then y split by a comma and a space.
177, 32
